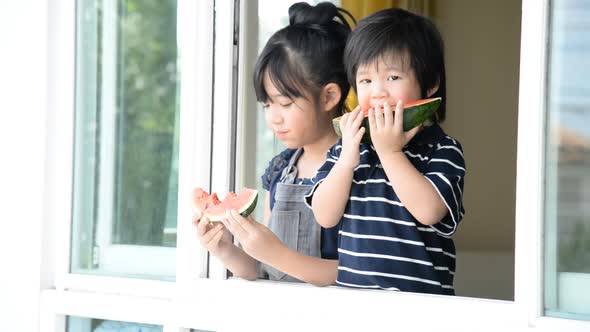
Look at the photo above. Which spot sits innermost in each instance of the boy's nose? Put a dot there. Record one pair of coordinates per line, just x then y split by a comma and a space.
379, 92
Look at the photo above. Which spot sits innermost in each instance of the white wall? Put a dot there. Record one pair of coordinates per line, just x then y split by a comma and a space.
23, 41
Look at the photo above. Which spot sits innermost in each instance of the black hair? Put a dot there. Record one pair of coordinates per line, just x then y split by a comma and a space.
397, 31
307, 54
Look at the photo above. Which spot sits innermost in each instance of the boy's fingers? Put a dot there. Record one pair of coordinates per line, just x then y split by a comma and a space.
359, 119
344, 120
399, 116
359, 135
372, 119
387, 115
412, 132
378, 117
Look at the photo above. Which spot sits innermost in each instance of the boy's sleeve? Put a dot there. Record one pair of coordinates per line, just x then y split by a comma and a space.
446, 172
331, 158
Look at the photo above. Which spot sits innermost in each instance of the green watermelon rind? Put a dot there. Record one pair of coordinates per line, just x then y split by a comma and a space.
245, 211
413, 116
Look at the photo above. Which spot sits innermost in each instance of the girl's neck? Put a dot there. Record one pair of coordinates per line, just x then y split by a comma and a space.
319, 148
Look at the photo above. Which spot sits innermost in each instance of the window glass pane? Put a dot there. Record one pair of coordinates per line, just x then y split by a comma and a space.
567, 228
78, 324
126, 138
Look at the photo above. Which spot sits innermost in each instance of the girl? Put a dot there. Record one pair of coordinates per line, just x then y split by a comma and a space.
399, 200
300, 79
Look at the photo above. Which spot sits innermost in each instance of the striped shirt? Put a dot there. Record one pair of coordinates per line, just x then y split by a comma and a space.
380, 244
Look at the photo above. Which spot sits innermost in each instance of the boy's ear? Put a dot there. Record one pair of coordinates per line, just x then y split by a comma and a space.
330, 97
432, 90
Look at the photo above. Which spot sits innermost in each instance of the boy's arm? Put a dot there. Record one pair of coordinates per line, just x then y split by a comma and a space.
419, 194
413, 189
330, 198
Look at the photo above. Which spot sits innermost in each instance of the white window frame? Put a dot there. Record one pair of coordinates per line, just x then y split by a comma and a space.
236, 305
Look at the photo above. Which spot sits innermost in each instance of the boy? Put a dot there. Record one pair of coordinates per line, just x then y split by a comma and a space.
396, 202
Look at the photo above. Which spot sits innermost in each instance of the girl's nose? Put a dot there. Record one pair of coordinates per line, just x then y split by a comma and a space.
274, 115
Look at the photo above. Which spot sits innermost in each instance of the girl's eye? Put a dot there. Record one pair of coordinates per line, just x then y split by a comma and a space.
265, 106
365, 81
393, 78
287, 104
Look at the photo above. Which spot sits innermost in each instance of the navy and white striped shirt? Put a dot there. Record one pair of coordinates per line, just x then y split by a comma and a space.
380, 244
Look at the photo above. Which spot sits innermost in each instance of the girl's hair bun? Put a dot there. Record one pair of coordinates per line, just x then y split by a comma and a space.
304, 14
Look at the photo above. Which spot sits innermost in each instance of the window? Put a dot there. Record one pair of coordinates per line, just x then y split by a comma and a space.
203, 303
78, 324
126, 139
567, 193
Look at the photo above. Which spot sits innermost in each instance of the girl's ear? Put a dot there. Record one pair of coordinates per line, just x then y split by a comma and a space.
432, 90
330, 97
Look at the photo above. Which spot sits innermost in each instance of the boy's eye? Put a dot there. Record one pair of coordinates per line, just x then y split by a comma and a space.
393, 78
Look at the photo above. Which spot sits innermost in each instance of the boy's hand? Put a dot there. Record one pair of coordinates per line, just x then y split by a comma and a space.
387, 129
214, 237
257, 240
352, 133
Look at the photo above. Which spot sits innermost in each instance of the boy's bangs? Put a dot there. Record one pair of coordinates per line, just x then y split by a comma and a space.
387, 47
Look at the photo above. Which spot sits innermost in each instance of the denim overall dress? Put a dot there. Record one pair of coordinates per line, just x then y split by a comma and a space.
291, 220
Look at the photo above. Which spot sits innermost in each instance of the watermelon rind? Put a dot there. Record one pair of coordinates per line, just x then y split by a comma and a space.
413, 116
244, 211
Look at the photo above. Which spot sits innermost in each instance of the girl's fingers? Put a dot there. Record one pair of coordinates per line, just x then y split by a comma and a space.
399, 116
202, 225
215, 240
234, 227
209, 235
387, 115
244, 222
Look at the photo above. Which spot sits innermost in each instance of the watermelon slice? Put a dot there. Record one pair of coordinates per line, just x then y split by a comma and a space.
215, 210
414, 114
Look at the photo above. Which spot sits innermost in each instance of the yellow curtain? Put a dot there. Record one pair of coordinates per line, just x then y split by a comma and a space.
362, 8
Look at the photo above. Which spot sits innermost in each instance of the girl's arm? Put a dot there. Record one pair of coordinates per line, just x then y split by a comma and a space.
330, 198
218, 242
260, 243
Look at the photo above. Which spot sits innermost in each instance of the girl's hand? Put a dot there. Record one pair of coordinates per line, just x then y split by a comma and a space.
387, 129
256, 239
214, 237
352, 133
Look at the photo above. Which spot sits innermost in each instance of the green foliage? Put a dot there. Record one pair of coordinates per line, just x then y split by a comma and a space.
147, 106
574, 254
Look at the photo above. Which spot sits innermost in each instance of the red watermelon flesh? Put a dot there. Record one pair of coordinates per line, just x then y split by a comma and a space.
215, 209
